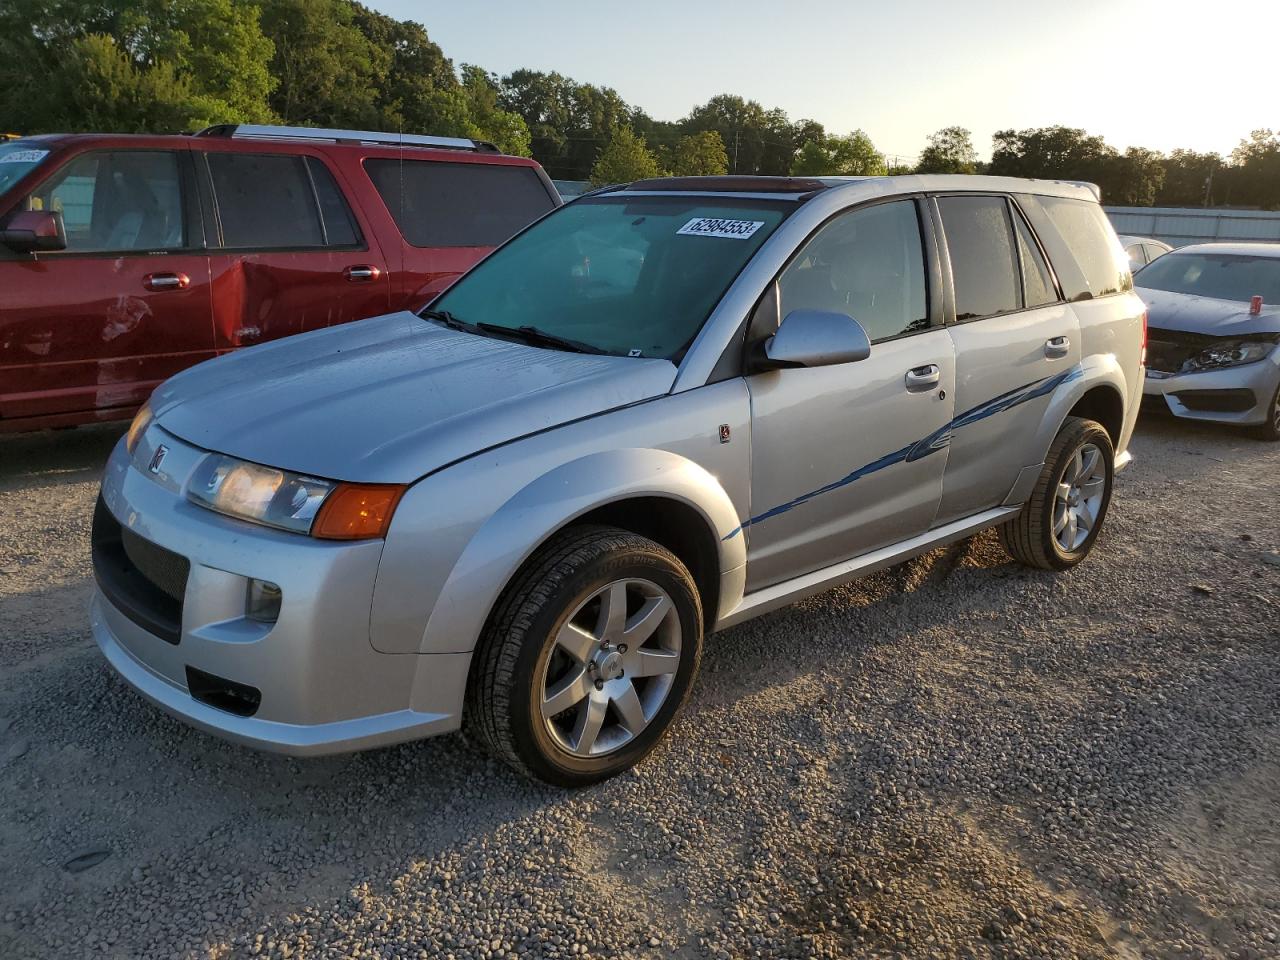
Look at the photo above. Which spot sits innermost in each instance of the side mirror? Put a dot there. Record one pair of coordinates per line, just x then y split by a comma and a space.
814, 338
34, 231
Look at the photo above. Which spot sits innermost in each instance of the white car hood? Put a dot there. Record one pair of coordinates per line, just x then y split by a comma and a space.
391, 399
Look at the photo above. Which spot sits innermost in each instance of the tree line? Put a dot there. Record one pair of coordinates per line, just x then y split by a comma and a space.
173, 65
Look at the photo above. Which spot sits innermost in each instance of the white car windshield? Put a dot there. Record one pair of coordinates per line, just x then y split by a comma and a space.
631, 276
1224, 276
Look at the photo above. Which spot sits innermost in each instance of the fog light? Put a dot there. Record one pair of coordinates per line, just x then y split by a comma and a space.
263, 601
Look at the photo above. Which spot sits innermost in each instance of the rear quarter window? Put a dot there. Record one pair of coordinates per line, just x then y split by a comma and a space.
440, 204
1092, 244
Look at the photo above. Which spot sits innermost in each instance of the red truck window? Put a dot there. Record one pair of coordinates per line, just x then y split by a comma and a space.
265, 201
439, 204
116, 202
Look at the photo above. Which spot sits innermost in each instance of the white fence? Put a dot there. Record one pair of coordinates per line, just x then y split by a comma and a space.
1179, 226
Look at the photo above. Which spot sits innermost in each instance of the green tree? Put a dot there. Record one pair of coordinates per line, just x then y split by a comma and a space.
329, 72
208, 54
853, 155
1255, 181
626, 158
1136, 178
418, 92
699, 155
1061, 153
756, 140
568, 122
950, 150
1190, 179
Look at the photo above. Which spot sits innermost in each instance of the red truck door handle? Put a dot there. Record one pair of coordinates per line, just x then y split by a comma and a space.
166, 281
362, 273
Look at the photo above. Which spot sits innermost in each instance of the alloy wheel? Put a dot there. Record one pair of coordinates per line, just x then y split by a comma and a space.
1079, 497
612, 666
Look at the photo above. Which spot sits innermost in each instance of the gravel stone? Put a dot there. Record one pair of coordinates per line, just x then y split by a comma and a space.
956, 757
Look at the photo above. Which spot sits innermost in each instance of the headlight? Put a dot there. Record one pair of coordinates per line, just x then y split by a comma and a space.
261, 494
141, 420
1229, 353
290, 501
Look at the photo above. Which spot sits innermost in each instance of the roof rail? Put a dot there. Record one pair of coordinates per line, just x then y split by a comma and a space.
259, 131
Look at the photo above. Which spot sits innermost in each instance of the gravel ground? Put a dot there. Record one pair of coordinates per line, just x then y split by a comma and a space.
956, 757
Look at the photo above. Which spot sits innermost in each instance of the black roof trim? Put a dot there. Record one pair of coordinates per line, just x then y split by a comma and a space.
732, 184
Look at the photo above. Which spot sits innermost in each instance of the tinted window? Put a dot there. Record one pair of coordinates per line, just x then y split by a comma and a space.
632, 276
117, 201
1092, 242
1037, 282
868, 264
1223, 276
459, 204
339, 225
1154, 251
983, 267
265, 201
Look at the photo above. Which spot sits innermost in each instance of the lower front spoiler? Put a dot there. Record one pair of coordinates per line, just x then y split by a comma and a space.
301, 740
1234, 395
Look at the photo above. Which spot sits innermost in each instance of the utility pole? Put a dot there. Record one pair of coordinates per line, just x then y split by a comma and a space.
1208, 186
735, 150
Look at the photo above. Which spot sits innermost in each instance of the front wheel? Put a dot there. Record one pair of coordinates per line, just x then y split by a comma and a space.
1060, 522
1270, 429
587, 658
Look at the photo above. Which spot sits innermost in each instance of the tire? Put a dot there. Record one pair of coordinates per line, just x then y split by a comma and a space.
1037, 536
1270, 430
552, 639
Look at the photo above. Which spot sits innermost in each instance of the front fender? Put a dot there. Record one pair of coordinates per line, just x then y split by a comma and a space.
555, 500
512, 532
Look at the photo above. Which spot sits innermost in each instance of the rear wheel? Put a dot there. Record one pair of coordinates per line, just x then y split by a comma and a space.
1270, 430
1060, 522
588, 657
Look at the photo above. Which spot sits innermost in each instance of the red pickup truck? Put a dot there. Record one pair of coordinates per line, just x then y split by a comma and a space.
124, 259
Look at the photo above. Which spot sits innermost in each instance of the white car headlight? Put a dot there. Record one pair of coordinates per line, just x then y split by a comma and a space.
261, 494
1230, 353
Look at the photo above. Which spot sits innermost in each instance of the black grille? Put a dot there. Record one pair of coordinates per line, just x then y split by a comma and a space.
1218, 401
1168, 350
143, 581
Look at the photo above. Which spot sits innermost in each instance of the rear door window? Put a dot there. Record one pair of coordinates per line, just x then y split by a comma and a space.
117, 202
265, 201
984, 268
438, 204
1093, 245
1037, 282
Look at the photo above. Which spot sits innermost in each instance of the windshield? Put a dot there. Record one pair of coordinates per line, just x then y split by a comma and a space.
17, 159
1226, 276
630, 276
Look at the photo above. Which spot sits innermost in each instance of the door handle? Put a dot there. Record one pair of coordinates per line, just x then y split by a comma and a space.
362, 273
1057, 347
166, 281
923, 378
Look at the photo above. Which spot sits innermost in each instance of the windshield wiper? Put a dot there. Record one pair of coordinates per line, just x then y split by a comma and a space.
532, 335
448, 319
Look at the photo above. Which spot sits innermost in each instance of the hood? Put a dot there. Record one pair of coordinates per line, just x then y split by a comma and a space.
391, 399
1188, 313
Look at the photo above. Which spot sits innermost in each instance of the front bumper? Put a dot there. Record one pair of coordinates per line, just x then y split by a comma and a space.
319, 685
1240, 395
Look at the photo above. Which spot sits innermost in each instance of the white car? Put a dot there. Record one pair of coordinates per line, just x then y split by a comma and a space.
1142, 250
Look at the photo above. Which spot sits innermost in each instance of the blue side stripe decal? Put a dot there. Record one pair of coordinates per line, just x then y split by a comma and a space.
939, 440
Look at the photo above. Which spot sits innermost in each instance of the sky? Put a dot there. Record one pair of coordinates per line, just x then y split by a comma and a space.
1152, 73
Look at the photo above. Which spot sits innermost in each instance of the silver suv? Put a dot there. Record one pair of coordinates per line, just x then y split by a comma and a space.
657, 412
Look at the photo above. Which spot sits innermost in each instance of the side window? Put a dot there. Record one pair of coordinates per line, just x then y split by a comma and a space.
869, 264
1153, 251
339, 224
1136, 257
1093, 244
265, 201
983, 266
117, 202
1037, 281
438, 204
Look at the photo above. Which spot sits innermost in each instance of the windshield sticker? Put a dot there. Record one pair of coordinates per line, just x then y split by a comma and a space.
24, 156
715, 227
